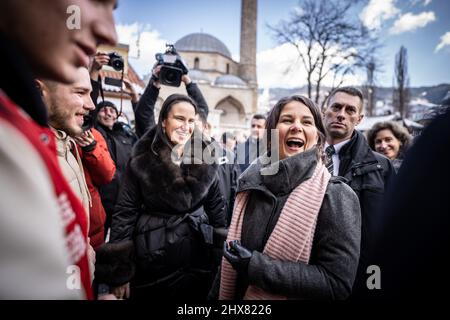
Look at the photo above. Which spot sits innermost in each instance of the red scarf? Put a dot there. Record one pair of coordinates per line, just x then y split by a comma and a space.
71, 209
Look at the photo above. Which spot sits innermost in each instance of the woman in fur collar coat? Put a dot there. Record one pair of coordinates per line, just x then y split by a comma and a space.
168, 205
295, 230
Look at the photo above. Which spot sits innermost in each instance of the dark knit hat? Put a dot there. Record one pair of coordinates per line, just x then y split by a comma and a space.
107, 103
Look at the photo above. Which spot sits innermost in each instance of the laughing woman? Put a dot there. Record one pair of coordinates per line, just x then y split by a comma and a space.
294, 234
168, 205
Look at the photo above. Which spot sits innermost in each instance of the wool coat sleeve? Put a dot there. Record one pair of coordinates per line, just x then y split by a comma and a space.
215, 207
334, 256
144, 113
127, 208
194, 92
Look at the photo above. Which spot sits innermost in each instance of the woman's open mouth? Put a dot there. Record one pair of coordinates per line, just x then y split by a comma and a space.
295, 144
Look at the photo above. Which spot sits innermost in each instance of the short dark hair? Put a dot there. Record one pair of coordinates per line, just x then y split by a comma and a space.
397, 130
227, 136
274, 116
353, 91
202, 117
259, 116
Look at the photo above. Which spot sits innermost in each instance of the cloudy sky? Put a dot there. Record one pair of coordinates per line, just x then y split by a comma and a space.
422, 26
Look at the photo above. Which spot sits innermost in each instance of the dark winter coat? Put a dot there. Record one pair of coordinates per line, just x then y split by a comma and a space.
248, 151
335, 249
120, 142
156, 194
413, 244
368, 173
228, 170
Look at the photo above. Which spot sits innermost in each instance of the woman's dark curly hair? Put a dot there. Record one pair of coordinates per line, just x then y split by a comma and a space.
398, 131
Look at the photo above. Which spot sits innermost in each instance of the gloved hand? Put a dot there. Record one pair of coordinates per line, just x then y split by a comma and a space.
237, 255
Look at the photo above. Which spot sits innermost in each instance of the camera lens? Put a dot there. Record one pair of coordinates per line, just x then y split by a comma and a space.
117, 64
171, 76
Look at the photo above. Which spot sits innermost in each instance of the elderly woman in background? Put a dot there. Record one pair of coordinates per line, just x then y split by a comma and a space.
391, 140
295, 232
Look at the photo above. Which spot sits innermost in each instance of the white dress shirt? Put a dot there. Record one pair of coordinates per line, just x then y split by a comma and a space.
335, 157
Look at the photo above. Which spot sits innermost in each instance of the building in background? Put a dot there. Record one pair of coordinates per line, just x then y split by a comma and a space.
229, 87
111, 82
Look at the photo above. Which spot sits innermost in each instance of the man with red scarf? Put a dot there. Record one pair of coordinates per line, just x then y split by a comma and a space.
43, 226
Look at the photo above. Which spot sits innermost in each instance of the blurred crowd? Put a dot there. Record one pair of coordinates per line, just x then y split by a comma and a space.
302, 208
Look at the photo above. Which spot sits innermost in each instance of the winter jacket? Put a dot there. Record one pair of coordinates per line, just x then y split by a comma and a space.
35, 246
228, 170
120, 142
413, 240
335, 249
72, 168
159, 197
368, 173
248, 151
99, 169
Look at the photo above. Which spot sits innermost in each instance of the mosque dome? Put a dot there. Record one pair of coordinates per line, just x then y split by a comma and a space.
229, 80
202, 42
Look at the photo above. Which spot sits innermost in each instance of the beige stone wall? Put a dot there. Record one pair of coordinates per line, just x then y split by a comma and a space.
214, 95
212, 62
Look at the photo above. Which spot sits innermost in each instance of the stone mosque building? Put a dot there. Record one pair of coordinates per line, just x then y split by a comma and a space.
229, 87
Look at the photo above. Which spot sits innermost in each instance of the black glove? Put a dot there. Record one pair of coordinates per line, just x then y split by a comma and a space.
237, 255
89, 148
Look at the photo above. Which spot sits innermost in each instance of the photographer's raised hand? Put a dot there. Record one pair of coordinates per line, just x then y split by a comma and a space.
237, 255
100, 59
155, 75
186, 79
133, 94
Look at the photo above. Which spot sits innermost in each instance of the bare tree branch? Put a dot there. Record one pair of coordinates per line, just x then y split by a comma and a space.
329, 39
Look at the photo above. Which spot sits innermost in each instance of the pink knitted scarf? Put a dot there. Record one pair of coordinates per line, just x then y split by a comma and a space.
292, 237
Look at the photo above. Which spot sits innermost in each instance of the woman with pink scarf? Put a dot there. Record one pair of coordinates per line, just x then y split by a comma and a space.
295, 231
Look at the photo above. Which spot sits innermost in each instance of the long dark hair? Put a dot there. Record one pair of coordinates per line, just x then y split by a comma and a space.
171, 100
274, 116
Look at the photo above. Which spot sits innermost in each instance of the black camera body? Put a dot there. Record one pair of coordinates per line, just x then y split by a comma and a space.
173, 67
116, 61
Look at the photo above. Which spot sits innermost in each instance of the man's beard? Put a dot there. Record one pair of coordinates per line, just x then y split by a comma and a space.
59, 122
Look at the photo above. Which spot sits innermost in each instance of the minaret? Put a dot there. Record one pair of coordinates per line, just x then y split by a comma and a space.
247, 65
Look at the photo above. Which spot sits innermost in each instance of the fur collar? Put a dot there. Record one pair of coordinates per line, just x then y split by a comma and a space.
173, 187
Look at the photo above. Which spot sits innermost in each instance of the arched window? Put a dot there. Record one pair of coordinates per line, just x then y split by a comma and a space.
197, 63
228, 68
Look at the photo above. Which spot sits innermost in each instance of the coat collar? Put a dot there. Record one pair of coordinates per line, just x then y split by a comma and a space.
291, 172
178, 187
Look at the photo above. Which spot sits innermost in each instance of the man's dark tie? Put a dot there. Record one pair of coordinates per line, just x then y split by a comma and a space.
329, 151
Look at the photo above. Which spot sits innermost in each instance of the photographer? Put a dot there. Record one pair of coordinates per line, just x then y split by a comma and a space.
228, 171
119, 138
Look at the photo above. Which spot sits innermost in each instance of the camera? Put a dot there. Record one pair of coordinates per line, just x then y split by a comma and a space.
115, 61
173, 67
